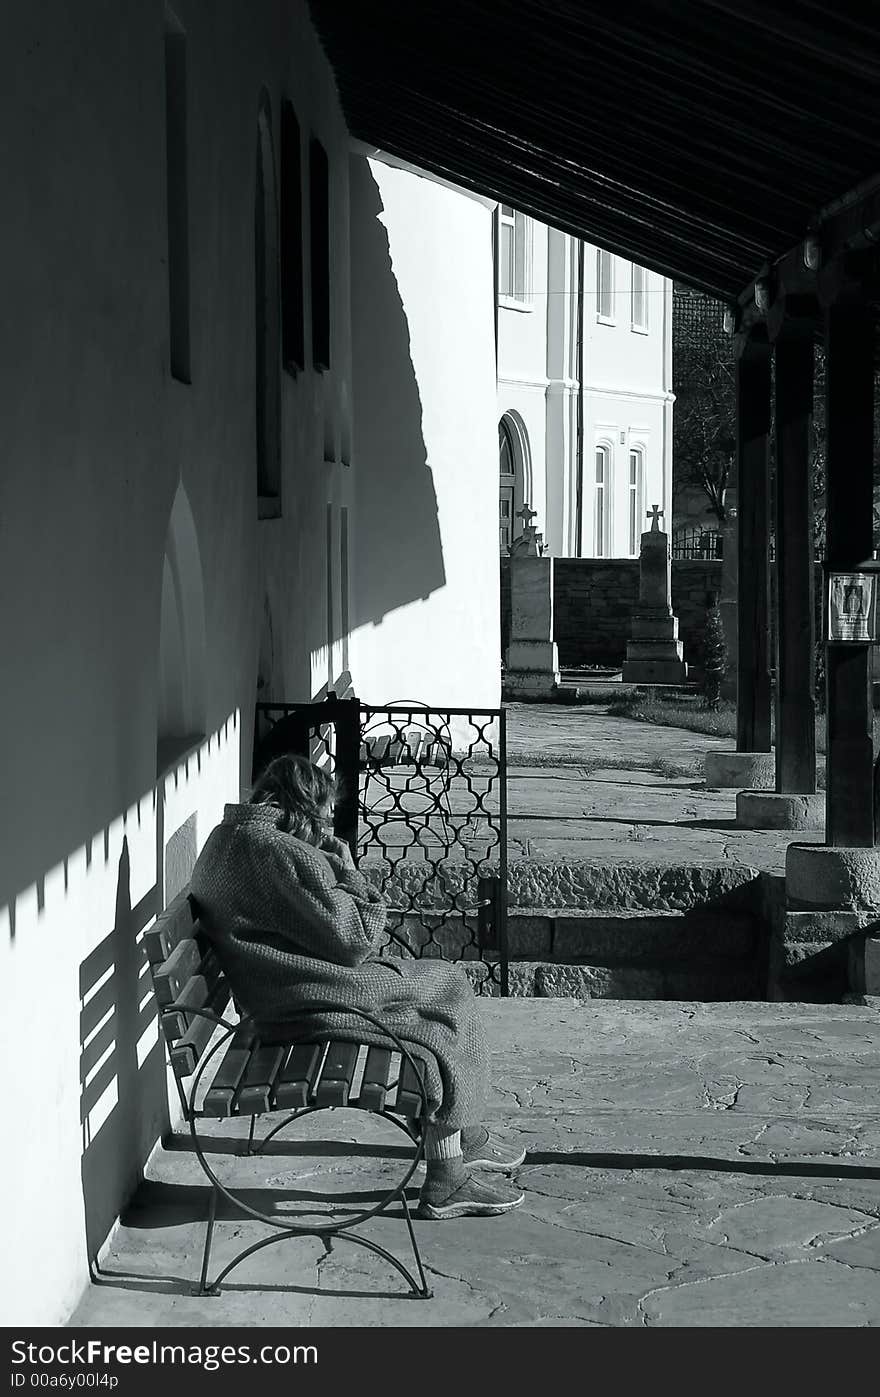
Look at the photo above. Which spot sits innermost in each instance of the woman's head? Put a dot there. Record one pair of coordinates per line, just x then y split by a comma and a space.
303, 792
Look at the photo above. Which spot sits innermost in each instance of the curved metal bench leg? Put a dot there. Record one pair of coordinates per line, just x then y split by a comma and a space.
214, 1288
204, 1288
423, 1290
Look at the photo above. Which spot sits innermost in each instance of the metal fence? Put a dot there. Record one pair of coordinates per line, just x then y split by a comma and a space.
697, 543
423, 805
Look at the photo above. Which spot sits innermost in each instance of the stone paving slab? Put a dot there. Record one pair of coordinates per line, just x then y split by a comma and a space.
585, 785
688, 1165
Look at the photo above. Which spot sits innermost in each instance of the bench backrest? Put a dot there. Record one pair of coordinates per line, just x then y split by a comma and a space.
260, 1070
186, 977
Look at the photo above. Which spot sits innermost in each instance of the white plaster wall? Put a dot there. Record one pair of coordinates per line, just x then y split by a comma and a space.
426, 591
522, 372
627, 390
97, 439
628, 397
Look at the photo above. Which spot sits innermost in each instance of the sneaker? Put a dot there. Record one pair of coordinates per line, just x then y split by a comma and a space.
492, 1154
472, 1199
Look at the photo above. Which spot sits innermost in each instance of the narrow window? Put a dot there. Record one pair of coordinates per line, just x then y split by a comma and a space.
639, 298
604, 285
176, 174
514, 255
319, 222
343, 569
506, 254
292, 310
330, 599
267, 327
635, 496
600, 513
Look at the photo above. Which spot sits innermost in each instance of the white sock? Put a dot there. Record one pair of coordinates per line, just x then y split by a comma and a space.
442, 1144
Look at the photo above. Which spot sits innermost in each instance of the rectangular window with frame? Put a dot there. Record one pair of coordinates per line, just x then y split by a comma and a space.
514, 255
604, 285
635, 495
639, 297
600, 516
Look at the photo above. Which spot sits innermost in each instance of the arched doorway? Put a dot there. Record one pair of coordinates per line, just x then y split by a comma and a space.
514, 477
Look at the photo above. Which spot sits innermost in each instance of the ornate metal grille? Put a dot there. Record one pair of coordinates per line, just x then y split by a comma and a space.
697, 543
423, 806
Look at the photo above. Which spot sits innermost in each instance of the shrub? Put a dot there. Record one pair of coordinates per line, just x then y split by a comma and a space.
714, 656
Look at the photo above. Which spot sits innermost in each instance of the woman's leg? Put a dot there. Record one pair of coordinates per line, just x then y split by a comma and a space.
449, 1190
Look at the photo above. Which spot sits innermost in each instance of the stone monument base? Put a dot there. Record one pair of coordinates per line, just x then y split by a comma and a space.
743, 771
532, 669
820, 876
654, 662
775, 810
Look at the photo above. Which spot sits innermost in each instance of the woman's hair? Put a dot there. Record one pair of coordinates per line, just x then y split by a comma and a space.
301, 791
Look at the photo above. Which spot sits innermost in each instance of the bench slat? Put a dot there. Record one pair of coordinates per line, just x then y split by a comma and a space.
377, 1079
255, 1093
378, 747
186, 1053
414, 739
170, 977
296, 1080
336, 1074
194, 995
409, 1096
220, 1096
171, 926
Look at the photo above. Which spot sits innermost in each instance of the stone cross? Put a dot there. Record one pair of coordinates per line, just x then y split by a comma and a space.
655, 514
526, 514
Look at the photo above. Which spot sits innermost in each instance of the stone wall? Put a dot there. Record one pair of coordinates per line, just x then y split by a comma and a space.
593, 599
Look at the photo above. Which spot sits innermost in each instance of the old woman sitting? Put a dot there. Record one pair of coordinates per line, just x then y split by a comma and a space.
295, 926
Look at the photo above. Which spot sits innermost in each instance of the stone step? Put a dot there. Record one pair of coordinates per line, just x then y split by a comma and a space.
592, 886
705, 981
573, 934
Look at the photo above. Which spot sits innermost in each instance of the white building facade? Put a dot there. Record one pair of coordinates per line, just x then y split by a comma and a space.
584, 391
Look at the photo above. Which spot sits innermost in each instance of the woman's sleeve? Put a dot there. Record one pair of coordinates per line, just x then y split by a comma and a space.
335, 921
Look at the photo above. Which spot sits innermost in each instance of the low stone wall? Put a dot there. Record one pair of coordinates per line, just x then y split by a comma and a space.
594, 598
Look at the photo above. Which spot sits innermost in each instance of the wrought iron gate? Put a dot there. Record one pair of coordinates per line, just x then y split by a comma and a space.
423, 805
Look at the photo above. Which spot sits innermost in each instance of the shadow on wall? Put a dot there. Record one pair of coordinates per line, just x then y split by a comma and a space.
400, 556
122, 1103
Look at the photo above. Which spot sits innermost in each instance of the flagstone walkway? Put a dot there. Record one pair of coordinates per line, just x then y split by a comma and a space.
688, 1165
583, 785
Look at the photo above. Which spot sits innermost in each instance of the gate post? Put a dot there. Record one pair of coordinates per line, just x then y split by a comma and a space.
348, 748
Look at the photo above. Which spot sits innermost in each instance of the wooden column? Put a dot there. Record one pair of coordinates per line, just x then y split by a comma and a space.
753, 478
849, 370
795, 617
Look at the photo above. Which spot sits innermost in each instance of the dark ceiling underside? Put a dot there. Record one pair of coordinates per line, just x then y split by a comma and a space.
698, 137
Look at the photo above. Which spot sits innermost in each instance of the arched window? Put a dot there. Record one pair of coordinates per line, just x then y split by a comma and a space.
601, 498
181, 688
268, 319
635, 491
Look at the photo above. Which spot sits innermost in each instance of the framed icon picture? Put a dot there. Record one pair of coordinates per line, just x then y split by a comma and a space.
852, 607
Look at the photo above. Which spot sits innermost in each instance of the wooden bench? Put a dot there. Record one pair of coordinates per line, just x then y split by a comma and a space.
414, 746
236, 1067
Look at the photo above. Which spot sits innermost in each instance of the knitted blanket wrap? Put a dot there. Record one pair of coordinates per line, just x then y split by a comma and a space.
294, 926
